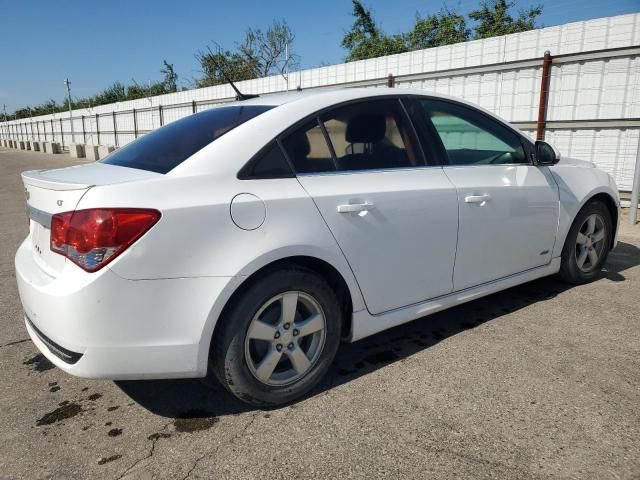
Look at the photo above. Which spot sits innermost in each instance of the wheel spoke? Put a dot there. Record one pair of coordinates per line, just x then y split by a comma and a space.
289, 306
582, 257
298, 359
591, 224
268, 364
581, 239
599, 235
261, 331
311, 325
593, 257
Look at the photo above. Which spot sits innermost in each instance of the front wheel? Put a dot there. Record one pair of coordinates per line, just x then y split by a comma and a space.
278, 338
587, 244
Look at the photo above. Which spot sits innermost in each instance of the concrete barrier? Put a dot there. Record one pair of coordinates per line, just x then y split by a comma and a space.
10, 143
51, 147
27, 145
76, 150
35, 146
21, 145
104, 150
91, 152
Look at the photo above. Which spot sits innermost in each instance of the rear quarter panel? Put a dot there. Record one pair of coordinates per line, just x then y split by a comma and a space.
196, 236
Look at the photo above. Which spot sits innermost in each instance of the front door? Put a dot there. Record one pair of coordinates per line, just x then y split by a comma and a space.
508, 206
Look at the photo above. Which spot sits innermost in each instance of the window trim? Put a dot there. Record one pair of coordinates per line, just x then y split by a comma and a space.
444, 157
440, 160
316, 115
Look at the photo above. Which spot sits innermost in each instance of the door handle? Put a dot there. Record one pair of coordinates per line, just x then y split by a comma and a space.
355, 207
478, 199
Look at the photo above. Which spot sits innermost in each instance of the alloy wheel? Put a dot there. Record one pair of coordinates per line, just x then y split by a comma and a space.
590, 242
285, 338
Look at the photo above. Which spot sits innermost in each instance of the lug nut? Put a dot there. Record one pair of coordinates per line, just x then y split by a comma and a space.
290, 346
295, 332
277, 335
286, 326
279, 347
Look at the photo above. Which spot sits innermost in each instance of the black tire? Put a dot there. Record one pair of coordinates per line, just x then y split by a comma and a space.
228, 360
569, 268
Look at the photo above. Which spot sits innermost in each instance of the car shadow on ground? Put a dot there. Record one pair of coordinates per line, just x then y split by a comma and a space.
197, 399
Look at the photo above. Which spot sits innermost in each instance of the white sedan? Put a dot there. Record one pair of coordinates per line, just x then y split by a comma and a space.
247, 240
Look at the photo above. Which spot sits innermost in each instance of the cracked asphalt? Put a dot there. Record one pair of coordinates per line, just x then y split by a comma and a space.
539, 381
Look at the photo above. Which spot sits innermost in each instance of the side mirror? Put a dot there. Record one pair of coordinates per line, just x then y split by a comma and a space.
546, 154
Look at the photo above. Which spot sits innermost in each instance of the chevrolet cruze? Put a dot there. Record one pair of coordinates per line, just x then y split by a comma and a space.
247, 240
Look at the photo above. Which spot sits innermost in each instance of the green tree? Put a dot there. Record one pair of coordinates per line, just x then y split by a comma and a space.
366, 39
443, 28
170, 81
116, 92
494, 19
218, 64
260, 54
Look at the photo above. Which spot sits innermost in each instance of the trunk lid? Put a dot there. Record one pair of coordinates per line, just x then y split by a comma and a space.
53, 191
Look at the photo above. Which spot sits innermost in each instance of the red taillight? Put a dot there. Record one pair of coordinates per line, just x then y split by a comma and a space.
92, 238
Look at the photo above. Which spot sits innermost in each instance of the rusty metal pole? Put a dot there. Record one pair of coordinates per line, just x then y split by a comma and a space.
135, 124
115, 128
635, 190
544, 96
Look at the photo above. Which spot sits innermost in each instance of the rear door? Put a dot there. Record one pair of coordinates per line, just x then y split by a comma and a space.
394, 217
508, 206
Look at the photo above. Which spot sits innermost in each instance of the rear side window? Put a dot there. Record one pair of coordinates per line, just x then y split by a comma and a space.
167, 147
308, 149
269, 164
369, 135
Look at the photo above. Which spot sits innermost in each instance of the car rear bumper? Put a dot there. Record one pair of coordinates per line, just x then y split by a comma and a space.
101, 325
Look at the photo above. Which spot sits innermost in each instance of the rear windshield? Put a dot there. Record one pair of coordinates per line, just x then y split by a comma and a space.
167, 147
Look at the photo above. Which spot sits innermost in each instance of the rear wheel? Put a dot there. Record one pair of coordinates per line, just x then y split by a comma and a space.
278, 338
587, 244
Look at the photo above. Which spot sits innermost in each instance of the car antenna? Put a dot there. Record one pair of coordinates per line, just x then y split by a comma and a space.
239, 95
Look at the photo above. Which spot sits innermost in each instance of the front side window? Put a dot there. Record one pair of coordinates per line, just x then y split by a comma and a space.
167, 147
471, 138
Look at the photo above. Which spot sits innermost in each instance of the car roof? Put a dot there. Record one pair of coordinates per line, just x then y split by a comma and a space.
339, 94
335, 95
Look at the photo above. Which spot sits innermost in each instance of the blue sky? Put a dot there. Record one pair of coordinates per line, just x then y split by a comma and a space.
97, 43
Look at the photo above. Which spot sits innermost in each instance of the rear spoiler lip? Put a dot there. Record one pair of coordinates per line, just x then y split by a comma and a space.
33, 178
